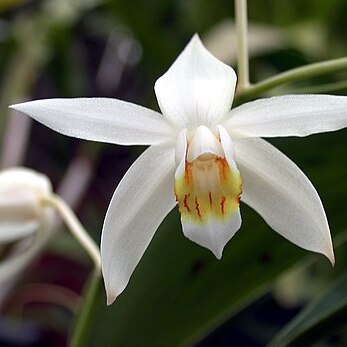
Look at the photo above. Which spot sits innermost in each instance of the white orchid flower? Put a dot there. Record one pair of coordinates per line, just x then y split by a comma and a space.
23, 218
204, 153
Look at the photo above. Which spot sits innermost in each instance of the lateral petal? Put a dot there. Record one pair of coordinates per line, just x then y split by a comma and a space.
281, 193
13, 231
288, 115
100, 119
198, 89
141, 201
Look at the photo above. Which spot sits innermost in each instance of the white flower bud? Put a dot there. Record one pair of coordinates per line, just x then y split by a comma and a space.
21, 210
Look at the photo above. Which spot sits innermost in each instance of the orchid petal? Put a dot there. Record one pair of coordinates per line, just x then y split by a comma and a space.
141, 201
18, 181
100, 119
18, 204
228, 147
214, 233
288, 115
203, 143
198, 89
180, 152
281, 193
13, 231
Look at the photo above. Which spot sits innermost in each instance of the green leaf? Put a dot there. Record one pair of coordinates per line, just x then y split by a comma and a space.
180, 292
319, 319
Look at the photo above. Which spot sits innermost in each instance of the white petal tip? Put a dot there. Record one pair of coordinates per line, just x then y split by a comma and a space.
23, 107
213, 234
330, 255
112, 293
15, 106
328, 252
332, 261
111, 299
218, 253
204, 242
196, 39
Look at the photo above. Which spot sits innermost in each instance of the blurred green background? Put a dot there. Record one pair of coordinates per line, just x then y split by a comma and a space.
179, 295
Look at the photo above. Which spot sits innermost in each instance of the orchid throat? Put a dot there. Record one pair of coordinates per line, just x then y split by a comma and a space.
207, 181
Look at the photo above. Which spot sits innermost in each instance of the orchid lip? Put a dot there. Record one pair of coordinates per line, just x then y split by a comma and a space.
208, 187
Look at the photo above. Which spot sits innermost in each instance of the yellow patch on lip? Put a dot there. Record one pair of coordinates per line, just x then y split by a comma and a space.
209, 188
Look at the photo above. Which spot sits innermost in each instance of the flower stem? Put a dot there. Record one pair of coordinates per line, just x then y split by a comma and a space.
307, 71
84, 320
82, 328
321, 88
242, 47
76, 228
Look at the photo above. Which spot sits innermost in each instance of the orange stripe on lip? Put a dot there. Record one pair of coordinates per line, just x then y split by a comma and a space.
211, 186
222, 204
186, 196
197, 206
